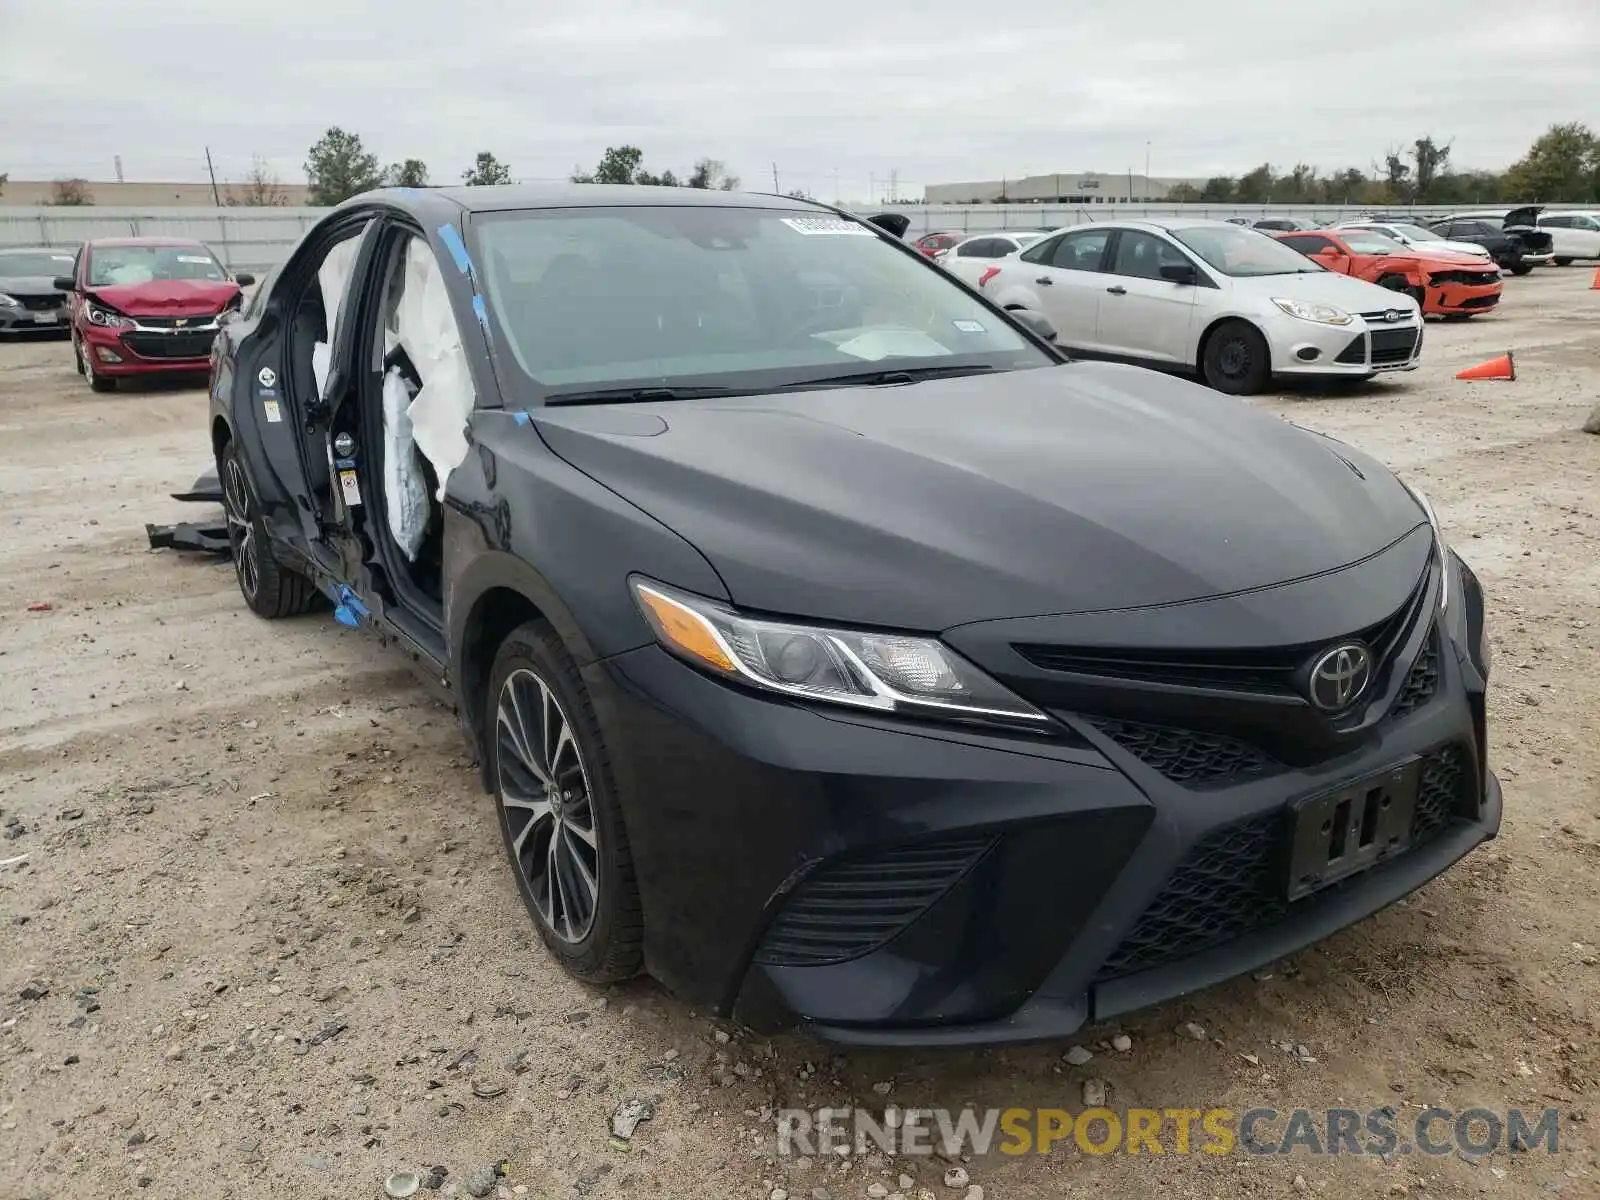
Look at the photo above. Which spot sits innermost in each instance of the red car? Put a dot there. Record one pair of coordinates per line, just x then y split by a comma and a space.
1442, 282
942, 239
143, 306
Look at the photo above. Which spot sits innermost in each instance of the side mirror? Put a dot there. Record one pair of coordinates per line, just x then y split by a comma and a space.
244, 279
64, 283
1183, 273
1037, 322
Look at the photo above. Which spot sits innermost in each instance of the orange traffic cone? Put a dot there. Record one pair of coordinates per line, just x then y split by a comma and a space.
1504, 367
1595, 286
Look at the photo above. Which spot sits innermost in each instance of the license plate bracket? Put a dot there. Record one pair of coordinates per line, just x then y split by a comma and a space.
46, 318
1345, 831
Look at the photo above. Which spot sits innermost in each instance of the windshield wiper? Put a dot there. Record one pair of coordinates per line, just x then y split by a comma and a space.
641, 395
901, 375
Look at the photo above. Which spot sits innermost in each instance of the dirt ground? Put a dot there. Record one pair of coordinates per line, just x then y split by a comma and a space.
264, 942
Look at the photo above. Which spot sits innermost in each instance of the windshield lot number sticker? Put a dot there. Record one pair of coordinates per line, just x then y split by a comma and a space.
968, 326
835, 226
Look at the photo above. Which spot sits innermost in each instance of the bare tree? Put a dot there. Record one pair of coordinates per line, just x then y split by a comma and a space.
4, 177
70, 193
261, 189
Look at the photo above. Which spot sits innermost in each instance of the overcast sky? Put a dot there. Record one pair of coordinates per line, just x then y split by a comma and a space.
937, 90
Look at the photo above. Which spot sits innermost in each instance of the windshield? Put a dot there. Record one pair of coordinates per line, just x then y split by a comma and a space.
110, 265
744, 299
1244, 253
1367, 242
44, 264
1024, 240
1416, 233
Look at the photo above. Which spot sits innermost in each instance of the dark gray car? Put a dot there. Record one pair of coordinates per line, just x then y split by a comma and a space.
29, 299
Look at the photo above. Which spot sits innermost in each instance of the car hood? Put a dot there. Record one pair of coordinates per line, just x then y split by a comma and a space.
1083, 487
1470, 249
28, 285
1323, 287
1436, 255
166, 297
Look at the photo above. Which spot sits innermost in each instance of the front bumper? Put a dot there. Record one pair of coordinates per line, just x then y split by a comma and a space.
892, 883
1304, 348
24, 319
1454, 298
149, 349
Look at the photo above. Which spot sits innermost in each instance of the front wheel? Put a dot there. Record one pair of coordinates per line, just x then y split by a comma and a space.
97, 383
1563, 262
1521, 268
559, 815
270, 589
1235, 359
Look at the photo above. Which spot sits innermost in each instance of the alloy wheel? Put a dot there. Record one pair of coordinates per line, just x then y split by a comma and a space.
241, 530
544, 792
87, 360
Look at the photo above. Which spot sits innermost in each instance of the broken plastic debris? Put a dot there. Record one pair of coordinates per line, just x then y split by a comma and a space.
41, 606
627, 1116
401, 1184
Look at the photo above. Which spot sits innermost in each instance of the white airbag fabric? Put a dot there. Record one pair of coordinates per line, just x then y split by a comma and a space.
333, 276
430, 338
405, 496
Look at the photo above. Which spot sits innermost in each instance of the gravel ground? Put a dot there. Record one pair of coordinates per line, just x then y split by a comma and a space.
264, 943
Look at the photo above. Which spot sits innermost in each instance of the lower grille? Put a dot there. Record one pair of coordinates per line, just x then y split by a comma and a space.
1392, 345
1355, 353
1231, 883
851, 906
164, 345
1187, 756
1475, 278
1479, 302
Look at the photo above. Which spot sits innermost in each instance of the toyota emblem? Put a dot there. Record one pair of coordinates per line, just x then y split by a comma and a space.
1340, 676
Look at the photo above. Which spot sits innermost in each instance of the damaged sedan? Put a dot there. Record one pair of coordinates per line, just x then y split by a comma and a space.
833, 648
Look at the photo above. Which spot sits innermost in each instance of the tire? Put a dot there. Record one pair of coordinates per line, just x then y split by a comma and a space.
97, 383
271, 589
1521, 268
1563, 262
535, 692
77, 355
1235, 359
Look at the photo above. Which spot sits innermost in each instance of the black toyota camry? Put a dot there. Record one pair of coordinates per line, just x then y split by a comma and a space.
835, 650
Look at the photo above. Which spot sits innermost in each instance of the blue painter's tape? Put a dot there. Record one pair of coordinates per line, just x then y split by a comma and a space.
458, 249
344, 616
522, 419
350, 601
483, 313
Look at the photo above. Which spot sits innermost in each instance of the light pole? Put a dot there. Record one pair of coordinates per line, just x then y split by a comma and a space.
1147, 172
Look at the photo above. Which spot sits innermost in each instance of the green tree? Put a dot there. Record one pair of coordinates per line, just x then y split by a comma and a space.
338, 167
619, 164
1432, 165
1563, 165
1346, 187
1255, 187
1219, 189
665, 179
710, 173
413, 173
1397, 177
1184, 193
4, 176
1299, 186
70, 193
486, 171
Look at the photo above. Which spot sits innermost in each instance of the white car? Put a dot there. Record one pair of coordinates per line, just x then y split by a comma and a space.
1572, 234
988, 246
1234, 304
1418, 237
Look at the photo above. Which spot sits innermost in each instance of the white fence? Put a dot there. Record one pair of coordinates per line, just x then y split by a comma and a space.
246, 239
252, 239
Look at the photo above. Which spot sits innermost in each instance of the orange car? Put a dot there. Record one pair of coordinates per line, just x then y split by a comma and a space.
1442, 282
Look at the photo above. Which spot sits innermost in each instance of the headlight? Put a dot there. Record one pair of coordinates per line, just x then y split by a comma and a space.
1439, 542
881, 671
1322, 314
9, 301
105, 317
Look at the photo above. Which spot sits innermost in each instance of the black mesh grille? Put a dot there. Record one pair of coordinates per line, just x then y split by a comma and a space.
1421, 683
1480, 302
1472, 278
1355, 352
1392, 345
850, 907
1185, 755
42, 303
170, 345
1231, 883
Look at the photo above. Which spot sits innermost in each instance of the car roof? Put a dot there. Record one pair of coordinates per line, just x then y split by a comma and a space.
146, 241
67, 250
504, 197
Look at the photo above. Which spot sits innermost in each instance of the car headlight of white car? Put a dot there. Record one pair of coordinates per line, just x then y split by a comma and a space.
1321, 314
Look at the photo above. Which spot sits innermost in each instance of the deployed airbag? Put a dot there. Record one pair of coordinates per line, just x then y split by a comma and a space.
405, 496
427, 332
333, 276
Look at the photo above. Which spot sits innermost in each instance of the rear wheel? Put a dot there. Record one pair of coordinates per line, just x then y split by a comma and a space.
559, 815
1235, 359
1520, 268
268, 587
1563, 262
